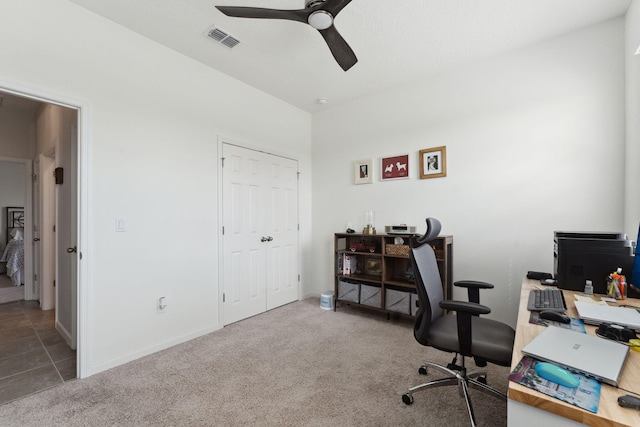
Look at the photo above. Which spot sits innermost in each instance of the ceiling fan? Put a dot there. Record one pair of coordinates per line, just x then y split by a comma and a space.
317, 13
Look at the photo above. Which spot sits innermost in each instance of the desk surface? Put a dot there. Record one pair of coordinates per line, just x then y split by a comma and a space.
609, 413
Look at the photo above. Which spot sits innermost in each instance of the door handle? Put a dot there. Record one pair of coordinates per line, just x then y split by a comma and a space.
37, 239
72, 250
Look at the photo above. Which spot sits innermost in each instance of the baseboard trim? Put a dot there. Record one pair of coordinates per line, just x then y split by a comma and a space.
65, 334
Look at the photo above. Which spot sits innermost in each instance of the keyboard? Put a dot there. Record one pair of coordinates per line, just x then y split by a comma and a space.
546, 299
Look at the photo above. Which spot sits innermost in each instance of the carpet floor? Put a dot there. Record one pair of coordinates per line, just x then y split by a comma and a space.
295, 365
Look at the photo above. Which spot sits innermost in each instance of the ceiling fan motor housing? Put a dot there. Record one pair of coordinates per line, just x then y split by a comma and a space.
320, 20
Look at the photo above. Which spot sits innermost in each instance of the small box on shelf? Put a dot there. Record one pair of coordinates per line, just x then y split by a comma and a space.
398, 301
397, 250
348, 291
371, 295
349, 265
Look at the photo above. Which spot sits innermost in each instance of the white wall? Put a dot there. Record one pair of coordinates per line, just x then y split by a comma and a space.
155, 119
632, 157
17, 135
535, 143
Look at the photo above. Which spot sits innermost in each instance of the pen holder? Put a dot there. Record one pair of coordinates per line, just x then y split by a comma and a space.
617, 289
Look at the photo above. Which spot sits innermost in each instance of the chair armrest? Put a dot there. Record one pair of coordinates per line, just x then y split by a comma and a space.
473, 288
465, 307
464, 312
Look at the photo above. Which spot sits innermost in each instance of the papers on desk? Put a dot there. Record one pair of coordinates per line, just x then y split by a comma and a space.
585, 396
588, 300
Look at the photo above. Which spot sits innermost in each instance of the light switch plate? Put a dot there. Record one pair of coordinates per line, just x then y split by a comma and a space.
121, 225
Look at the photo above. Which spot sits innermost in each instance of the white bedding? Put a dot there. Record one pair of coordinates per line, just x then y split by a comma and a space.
14, 257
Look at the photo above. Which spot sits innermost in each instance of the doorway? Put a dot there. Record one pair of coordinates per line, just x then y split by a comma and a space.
50, 301
15, 193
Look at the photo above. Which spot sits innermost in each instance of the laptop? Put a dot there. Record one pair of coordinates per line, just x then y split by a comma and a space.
584, 354
595, 314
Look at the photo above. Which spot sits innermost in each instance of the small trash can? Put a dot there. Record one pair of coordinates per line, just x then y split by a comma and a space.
326, 300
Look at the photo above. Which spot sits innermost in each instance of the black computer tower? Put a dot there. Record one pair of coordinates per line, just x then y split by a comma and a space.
579, 257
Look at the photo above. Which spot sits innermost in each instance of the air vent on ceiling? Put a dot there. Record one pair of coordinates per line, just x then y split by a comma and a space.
222, 37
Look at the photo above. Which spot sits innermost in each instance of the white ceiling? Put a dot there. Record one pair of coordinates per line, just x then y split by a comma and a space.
395, 41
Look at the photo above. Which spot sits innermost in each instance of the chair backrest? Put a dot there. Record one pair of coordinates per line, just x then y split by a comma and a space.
428, 281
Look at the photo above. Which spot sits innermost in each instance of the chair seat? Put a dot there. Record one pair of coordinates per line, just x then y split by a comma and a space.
490, 340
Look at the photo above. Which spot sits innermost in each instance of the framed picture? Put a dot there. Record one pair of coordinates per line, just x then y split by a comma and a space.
15, 217
373, 267
363, 171
395, 167
15, 222
433, 162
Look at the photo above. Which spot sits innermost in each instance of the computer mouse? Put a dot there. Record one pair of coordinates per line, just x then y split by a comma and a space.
629, 401
556, 374
555, 316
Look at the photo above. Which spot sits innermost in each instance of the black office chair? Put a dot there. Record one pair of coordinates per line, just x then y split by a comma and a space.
464, 332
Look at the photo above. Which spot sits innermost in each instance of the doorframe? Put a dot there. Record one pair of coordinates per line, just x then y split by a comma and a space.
219, 160
29, 292
83, 272
48, 263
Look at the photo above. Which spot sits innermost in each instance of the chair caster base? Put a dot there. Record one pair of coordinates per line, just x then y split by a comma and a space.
407, 399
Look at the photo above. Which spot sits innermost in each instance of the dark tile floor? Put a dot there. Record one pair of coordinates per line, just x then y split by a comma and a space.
33, 355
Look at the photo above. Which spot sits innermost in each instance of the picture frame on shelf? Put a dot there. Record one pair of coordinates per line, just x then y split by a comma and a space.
396, 167
373, 267
363, 171
433, 162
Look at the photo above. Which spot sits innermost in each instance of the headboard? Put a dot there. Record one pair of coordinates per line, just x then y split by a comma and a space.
15, 220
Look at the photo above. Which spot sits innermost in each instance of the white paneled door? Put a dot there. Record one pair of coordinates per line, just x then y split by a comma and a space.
260, 240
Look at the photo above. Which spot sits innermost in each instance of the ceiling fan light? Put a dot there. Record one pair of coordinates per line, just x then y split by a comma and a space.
320, 20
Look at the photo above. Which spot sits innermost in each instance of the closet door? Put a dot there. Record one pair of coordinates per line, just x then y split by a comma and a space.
260, 216
282, 232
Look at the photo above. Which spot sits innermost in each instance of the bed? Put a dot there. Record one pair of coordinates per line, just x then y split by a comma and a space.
14, 257
13, 253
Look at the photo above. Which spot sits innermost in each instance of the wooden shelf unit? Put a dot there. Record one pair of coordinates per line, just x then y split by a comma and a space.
374, 271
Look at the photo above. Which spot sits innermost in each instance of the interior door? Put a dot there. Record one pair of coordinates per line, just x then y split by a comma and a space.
260, 232
66, 241
36, 213
244, 248
47, 233
282, 231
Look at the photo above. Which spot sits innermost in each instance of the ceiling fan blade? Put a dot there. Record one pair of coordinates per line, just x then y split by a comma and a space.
258, 12
335, 6
339, 48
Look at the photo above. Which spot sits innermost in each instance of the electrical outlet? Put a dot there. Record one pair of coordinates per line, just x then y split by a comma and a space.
162, 304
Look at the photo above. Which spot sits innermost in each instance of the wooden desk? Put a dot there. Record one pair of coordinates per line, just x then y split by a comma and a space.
526, 406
